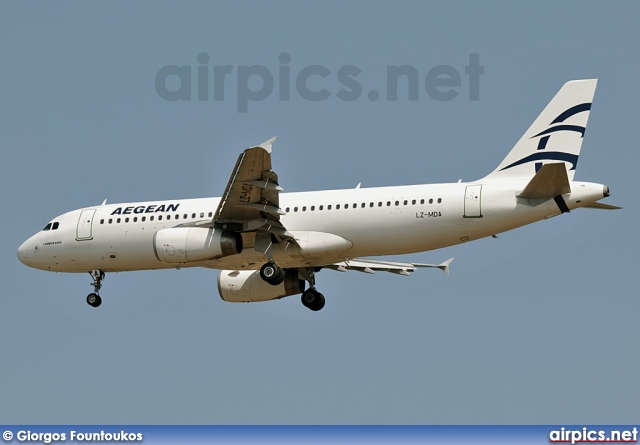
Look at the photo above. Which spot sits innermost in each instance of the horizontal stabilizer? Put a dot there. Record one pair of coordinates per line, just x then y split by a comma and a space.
550, 181
601, 206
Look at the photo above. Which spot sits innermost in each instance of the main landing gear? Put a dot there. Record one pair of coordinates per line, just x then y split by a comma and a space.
93, 299
271, 273
310, 298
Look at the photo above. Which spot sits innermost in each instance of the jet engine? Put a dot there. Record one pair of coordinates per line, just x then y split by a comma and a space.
189, 244
244, 286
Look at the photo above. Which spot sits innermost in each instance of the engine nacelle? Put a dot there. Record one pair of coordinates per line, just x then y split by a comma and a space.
244, 286
189, 244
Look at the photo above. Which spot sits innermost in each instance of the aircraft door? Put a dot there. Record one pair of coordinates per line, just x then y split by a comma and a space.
473, 201
85, 223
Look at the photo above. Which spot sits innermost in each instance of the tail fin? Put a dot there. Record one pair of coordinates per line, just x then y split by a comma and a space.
556, 135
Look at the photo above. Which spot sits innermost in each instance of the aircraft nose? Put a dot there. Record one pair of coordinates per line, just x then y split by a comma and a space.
23, 253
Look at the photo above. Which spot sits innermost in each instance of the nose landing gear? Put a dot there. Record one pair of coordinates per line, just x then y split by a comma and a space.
93, 299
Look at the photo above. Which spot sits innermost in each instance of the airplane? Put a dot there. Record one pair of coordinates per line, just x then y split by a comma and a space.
268, 244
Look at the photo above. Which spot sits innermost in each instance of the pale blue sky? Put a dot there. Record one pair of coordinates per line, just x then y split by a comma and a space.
537, 326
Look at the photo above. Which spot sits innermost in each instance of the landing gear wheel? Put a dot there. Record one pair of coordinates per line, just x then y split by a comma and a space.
272, 274
312, 299
94, 300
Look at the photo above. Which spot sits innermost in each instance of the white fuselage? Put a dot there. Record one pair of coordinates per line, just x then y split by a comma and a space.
336, 225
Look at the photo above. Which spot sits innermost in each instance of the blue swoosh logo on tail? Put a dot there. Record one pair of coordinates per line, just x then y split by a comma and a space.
542, 154
547, 156
576, 128
571, 111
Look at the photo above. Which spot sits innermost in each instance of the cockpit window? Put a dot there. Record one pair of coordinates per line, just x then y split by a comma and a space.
47, 227
55, 226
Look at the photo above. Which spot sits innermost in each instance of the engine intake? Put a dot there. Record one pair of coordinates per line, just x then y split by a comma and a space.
190, 244
244, 286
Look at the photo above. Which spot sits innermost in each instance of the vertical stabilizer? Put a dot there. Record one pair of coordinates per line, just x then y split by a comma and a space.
555, 136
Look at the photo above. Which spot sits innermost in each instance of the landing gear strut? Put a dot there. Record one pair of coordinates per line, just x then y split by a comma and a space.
311, 298
93, 299
271, 273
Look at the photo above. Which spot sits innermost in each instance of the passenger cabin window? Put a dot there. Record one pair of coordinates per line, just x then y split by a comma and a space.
329, 207
422, 201
431, 201
439, 200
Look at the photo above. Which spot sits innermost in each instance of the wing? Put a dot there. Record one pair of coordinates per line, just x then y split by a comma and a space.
251, 199
367, 265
